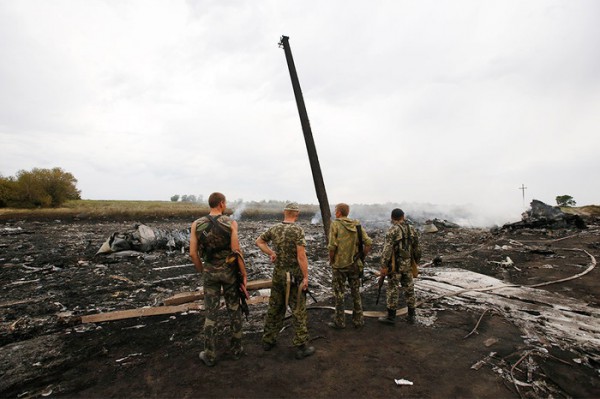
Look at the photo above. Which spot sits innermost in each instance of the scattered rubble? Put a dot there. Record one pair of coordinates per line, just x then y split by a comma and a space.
541, 215
59, 294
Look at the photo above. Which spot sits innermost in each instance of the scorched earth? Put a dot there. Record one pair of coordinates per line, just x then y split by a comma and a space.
495, 319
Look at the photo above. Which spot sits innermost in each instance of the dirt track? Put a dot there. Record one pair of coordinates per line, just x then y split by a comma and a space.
50, 277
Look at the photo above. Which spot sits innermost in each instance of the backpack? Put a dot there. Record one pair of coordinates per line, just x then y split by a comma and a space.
213, 238
408, 245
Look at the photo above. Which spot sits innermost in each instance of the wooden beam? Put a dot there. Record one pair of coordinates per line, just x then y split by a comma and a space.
140, 312
185, 297
155, 311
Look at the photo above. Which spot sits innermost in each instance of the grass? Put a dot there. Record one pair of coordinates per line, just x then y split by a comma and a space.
113, 209
587, 210
95, 209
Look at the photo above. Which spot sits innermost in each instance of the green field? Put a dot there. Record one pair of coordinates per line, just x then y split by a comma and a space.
109, 209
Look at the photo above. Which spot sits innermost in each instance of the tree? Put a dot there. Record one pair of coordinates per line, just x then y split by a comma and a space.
565, 200
29, 191
61, 186
6, 190
175, 198
40, 188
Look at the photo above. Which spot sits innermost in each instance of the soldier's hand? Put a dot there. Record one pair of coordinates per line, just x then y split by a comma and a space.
273, 257
305, 284
383, 271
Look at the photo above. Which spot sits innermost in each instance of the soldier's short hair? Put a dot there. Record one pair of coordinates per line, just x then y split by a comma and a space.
397, 214
215, 199
344, 209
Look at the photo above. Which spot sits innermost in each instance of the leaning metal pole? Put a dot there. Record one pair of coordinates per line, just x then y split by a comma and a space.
308, 138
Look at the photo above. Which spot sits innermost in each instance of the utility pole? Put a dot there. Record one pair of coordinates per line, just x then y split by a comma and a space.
308, 138
523, 188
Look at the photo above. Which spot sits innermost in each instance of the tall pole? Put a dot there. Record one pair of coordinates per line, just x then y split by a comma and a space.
523, 188
308, 138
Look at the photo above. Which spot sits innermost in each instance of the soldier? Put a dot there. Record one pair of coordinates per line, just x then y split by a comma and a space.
401, 246
290, 280
348, 246
214, 237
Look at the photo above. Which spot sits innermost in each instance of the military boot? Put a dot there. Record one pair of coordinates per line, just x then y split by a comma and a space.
304, 351
412, 316
390, 319
206, 360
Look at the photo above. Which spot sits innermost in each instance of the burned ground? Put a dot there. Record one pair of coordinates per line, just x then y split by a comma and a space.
51, 277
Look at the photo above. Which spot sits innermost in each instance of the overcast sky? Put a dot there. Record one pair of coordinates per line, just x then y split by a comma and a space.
432, 102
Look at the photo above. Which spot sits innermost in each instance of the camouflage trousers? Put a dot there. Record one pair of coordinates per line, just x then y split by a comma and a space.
340, 276
406, 280
276, 314
213, 281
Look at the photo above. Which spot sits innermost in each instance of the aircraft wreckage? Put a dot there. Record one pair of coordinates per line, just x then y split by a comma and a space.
505, 272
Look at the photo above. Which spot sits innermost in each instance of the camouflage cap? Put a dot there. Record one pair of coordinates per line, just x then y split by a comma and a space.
292, 206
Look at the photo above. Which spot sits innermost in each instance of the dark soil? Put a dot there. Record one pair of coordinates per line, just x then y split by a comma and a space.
51, 277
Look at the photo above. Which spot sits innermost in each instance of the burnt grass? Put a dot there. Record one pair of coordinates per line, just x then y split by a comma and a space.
51, 276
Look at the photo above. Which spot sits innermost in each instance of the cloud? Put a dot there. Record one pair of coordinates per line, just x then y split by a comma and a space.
446, 103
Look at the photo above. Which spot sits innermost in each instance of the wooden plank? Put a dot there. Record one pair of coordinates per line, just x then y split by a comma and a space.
154, 311
259, 284
140, 312
185, 297
258, 299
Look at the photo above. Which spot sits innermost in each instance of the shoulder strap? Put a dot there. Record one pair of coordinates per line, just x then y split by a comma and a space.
218, 228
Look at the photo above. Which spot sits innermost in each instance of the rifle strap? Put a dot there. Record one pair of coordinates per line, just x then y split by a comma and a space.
218, 228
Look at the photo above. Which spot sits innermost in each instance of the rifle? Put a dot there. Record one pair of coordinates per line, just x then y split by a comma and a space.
361, 248
235, 259
295, 282
390, 268
414, 264
380, 284
361, 251
309, 292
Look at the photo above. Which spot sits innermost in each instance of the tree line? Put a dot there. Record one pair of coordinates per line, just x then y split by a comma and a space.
38, 188
187, 198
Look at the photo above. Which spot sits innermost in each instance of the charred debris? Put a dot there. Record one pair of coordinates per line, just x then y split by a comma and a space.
56, 274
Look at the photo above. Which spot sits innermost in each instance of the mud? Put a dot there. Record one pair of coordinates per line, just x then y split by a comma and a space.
51, 277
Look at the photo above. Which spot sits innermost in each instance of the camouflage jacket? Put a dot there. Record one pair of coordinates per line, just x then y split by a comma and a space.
403, 243
214, 242
284, 238
343, 240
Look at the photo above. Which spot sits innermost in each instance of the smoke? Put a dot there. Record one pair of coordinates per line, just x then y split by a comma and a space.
317, 218
237, 214
379, 215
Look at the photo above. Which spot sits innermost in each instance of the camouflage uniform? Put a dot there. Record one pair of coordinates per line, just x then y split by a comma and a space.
285, 237
396, 239
343, 240
214, 248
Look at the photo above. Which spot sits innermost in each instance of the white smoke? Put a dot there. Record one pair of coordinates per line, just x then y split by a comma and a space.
464, 215
317, 218
237, 214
